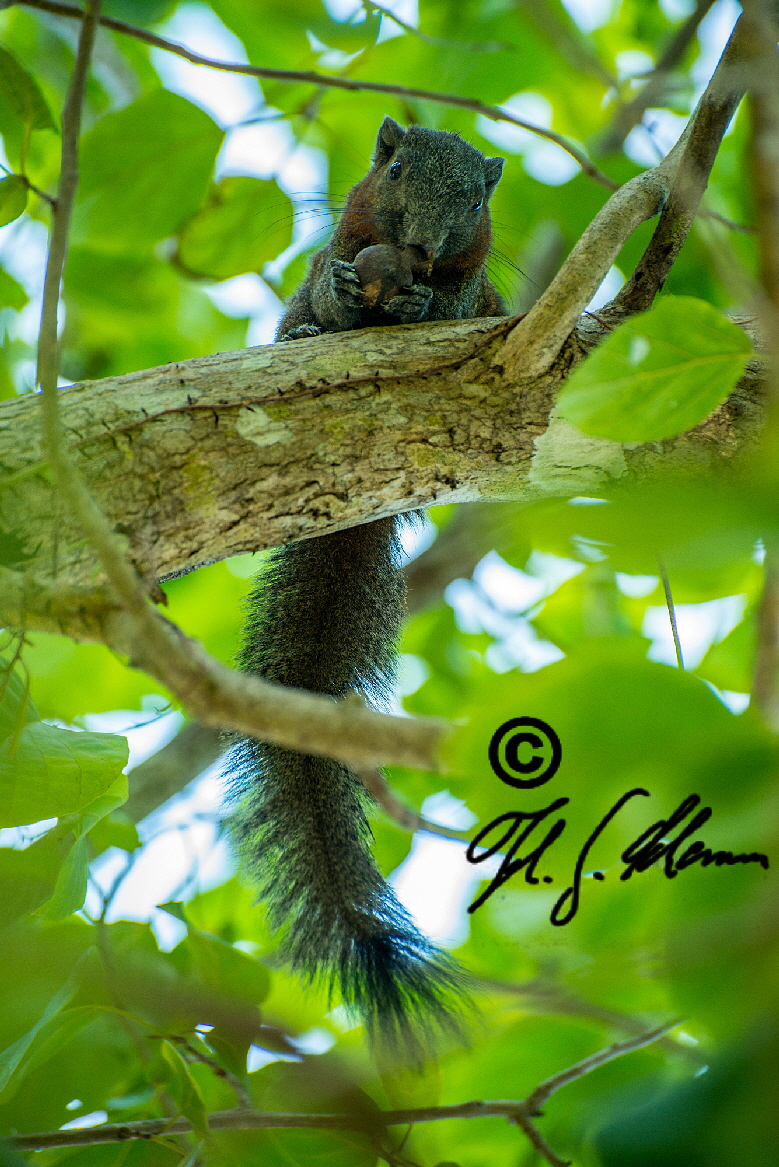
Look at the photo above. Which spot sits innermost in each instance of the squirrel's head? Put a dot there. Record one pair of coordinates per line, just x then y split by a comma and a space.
431, 189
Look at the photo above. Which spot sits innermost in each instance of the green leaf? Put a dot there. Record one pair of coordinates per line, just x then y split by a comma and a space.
730, 663
28, 877
16, 708
13, 201
244, 224
48, 771
658, 374
50, 1039
184, 1089
20, 94
114, 831
174, 908
12, 294
12, 1059
114, 797
141, 12
71, 887
144, 171
226, 969
347, 35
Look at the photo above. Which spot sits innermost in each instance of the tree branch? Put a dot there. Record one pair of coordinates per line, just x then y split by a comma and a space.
218, 696
455, 553
654, 90
696, 149
542, 1093
760, 36
222, 455
153, 781
520, 1113
87, 513
394, 808
765, 679
674, 186
309, 77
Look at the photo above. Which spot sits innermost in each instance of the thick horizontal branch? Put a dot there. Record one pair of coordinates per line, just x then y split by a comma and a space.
227, 454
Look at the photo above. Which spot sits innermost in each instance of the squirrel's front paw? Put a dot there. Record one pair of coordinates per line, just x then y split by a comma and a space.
302, 331
346, 285
411, 305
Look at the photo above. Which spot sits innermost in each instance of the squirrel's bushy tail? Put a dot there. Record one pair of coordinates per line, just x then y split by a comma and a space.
325, 616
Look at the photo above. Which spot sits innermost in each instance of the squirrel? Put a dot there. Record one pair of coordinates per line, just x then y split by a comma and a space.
325, 614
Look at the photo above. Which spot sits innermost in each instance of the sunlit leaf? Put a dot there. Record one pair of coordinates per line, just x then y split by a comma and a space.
13, 200
144, 170
185, 1089
244, 224
12, 294
48, 771
28, 877
227, 969
658, 374
21, 94
13, 1058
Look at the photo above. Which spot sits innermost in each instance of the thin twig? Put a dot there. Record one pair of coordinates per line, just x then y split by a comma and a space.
653, 92
520, 1113
669, 603
235, 1083
675, 187
310, 77
380, 790
69, 481
438, 42
696, 149
546, 1089
30, 185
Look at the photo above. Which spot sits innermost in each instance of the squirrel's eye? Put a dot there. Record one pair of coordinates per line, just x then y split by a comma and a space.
478, 206
394, 171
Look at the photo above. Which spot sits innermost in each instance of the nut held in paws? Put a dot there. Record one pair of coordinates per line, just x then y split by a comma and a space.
382, 273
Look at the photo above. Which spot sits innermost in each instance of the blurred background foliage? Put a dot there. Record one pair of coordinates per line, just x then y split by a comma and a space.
202, 195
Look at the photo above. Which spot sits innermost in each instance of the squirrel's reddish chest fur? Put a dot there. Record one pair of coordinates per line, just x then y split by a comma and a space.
427, 190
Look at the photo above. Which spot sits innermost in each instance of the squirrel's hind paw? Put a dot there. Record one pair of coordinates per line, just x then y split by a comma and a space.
302, 331
412, 305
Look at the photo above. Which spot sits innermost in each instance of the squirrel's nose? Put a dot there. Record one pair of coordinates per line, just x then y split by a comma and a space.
428, 251
420, 236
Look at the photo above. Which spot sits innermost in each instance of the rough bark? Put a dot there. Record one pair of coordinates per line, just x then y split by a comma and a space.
231, 453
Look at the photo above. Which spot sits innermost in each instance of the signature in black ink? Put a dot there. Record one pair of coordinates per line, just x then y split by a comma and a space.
651, 846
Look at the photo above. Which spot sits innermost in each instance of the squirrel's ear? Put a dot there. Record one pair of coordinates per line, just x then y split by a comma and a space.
493, 168
390, 137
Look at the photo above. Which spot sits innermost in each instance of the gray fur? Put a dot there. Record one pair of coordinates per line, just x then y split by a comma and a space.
326, 614
430, 206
